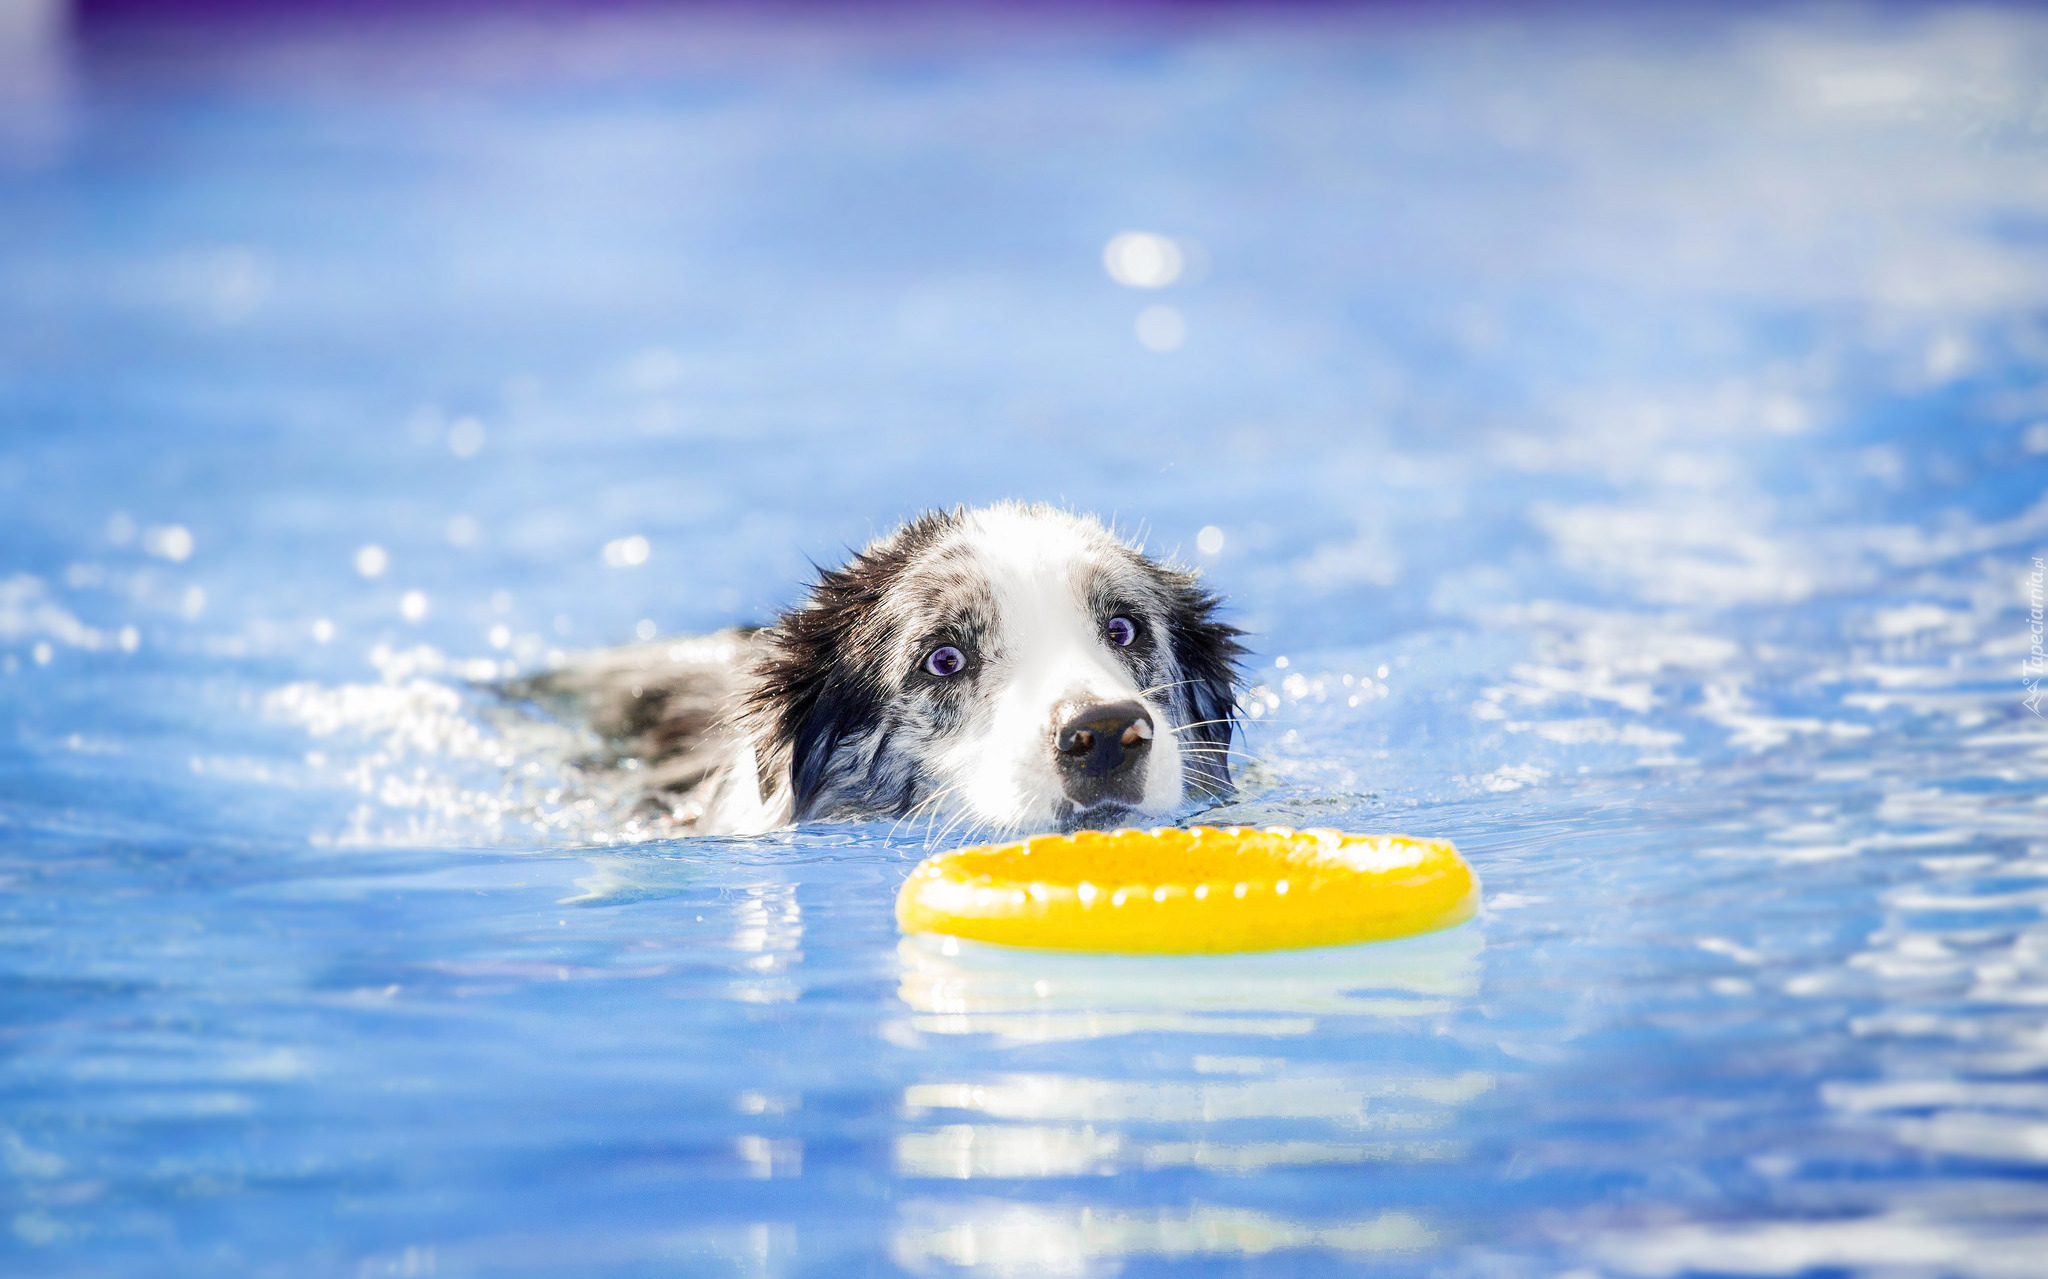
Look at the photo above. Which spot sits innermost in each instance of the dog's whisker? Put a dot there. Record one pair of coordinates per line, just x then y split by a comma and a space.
926, 802
945, 835
934, 797
1232, 752
959, 831
932, 832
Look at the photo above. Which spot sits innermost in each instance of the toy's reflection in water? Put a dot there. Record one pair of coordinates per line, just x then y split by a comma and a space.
998, 1238
1223, 1115
958, 987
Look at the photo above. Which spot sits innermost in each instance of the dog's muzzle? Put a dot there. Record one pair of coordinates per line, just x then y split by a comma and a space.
1102, 752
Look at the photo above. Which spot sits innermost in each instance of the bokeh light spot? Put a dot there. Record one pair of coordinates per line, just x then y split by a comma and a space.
1142, 260
1160, 328
466, 437
626, 552
172, 542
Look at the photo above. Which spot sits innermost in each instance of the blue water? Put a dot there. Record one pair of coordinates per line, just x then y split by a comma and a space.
1627, 439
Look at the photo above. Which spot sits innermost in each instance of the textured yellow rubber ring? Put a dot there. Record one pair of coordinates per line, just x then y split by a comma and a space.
1202, 890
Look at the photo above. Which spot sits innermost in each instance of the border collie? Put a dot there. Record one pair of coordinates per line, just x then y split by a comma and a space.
1013, 668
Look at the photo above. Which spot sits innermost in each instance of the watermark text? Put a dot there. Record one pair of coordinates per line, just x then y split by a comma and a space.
2032, 669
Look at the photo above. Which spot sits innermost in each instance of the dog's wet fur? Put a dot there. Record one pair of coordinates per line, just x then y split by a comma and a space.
1003, 670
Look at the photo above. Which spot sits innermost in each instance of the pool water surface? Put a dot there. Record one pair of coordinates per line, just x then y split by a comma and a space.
1624, 440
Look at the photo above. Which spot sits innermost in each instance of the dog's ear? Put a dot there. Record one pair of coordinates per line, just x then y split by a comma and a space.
837, 713
1209, 654
807, 695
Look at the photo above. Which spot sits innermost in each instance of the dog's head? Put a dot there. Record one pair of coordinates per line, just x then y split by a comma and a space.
1012, 667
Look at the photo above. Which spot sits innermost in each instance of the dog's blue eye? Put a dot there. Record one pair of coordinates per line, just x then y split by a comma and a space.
944, 661
1122, 630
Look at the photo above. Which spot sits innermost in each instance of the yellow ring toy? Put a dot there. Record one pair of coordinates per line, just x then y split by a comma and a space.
1203, 890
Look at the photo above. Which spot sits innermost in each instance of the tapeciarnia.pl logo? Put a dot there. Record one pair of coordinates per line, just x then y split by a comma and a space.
2031, 669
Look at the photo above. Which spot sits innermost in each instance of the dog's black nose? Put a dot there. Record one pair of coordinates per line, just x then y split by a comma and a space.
1103, 740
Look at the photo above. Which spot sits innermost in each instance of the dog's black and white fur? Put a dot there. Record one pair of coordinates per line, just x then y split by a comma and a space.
1010, 669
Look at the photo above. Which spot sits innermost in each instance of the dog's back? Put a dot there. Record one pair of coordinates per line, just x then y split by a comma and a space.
665, 712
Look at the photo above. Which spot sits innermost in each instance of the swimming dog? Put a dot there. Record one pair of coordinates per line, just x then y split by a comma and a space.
1006, 669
